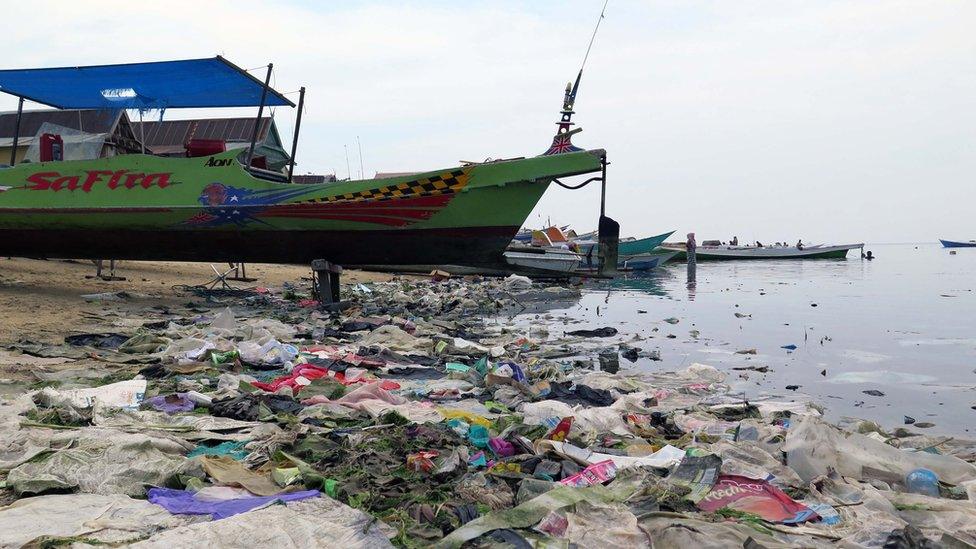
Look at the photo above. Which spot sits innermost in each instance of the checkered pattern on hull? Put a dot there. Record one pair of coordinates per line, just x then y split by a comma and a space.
445, 183
399, 205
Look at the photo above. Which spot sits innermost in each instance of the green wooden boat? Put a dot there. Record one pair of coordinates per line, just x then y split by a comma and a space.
211, 208
642, 245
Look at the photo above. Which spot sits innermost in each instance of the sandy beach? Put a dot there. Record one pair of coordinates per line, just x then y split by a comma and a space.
41, 299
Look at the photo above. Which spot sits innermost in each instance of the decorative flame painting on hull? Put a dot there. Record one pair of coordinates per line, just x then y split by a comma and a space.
398, 205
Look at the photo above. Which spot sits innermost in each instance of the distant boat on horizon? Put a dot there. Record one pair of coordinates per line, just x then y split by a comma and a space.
819, 251
957, 243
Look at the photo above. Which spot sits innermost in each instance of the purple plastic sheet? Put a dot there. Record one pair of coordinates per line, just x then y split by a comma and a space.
182, 502
171, 404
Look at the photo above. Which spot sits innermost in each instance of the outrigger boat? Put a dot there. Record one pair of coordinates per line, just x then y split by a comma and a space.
632, 253
958, 243
765, 252
221, 207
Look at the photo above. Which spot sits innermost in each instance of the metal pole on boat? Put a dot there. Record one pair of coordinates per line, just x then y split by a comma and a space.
608, 229
142, 133
257, 123
20, 113
298, 126
603, 187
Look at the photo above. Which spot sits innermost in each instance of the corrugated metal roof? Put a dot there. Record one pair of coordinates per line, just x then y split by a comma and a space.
173, 134
91, 121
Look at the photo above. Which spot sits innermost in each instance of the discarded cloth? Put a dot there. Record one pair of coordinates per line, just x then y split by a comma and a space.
172, 403
599, 332
312, 522
224, 470
233, 449
251, 407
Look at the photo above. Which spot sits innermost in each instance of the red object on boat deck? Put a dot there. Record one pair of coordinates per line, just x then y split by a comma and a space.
260, 162
52, 147
204, 147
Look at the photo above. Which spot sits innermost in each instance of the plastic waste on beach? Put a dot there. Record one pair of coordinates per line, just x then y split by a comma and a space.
218, 504
922, 481
441, 426
813, 448
123, 394
757, 497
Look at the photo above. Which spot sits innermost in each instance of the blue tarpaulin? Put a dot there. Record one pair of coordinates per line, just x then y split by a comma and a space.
192, 83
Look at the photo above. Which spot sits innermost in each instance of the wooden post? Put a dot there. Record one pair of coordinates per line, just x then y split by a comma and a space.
13, 150
257, 123
298, 126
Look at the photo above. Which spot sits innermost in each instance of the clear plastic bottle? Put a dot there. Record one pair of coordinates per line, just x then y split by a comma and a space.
922, 481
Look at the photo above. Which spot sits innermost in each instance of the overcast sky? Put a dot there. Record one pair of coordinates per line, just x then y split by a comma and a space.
828, 121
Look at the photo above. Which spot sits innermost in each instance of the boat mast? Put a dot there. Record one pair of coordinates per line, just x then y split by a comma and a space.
298, 126
264, 96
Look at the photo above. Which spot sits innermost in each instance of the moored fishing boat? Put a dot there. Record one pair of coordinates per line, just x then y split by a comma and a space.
648, 261
958, 243
627, 248
542, 260
222, 207
764, 252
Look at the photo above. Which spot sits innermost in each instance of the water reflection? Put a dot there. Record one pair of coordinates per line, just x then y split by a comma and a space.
648, 283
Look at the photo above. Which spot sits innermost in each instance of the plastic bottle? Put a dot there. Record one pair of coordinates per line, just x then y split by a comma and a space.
922, 481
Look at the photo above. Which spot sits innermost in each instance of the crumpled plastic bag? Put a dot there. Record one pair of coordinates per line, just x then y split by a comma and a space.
394, 338
106, 518
598, 526
270, 352
813, 446
114, 463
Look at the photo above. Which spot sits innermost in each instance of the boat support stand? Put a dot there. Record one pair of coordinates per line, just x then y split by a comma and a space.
240, 273
110, 277
325, 283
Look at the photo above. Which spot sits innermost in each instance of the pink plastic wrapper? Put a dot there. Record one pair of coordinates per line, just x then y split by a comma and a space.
553, 525
598, 473
757, 497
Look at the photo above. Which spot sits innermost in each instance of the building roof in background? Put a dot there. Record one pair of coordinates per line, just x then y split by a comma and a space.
310, 179
90, 121
188, 83
387, 175
170, 136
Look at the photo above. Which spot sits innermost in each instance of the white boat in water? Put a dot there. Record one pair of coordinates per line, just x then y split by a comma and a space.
554, 260
819, 251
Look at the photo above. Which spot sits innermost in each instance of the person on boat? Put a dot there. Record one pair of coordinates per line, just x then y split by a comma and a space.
735, 241
759, 244
799, 244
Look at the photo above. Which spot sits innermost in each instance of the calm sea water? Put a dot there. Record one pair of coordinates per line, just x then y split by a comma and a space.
903, 324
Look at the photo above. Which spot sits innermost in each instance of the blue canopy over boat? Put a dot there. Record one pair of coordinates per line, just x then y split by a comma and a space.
190, 83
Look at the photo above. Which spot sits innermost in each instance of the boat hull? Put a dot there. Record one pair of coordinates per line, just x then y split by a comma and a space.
552, 260
209, 209
731, 253
647, 262
957, 244
628, 248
